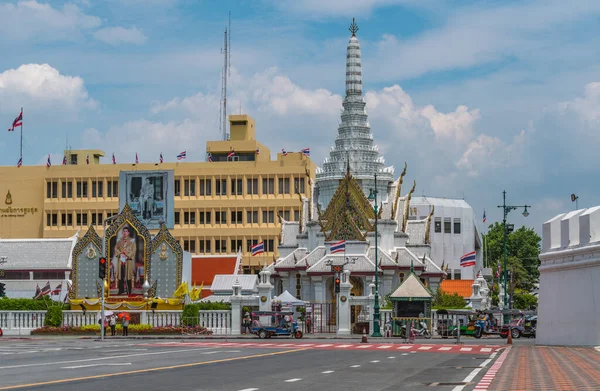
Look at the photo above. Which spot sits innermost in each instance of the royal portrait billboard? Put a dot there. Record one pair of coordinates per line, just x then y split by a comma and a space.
149, 195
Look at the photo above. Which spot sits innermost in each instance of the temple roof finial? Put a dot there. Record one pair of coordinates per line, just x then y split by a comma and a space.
353, 28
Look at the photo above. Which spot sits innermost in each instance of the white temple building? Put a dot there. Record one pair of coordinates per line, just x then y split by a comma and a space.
341, 210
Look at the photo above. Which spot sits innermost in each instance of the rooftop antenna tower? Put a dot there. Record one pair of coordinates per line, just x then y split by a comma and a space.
226, 72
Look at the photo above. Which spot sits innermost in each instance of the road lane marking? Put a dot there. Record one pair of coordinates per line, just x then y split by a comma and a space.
364, 346
327, 372
250, 389
445, 348
384, 347
188, 365
375, 361
354, 366
425, 348
483, 364
405, 354
100, 358
391, 357
486, 349
404, 347
287, 381
343, 346
324, 345
95, 365
466, 349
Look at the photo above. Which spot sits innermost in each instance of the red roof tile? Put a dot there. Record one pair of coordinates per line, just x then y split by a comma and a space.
462, 287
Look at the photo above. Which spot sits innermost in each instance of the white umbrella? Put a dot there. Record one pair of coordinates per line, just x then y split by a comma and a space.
106, 314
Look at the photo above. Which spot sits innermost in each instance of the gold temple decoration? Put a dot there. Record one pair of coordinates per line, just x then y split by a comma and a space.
406, 206
428, 225
398, 190
8, 199
349, 212
163, 252
91, 239
91, 253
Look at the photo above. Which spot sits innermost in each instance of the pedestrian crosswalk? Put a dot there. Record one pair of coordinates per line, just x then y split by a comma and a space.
423, 348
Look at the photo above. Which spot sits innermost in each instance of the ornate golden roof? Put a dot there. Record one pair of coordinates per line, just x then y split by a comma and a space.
348, 213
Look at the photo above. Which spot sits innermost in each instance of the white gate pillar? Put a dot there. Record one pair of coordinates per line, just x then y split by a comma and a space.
344, 304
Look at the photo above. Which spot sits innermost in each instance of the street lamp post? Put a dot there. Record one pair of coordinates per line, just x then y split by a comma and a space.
506, 209
376, 315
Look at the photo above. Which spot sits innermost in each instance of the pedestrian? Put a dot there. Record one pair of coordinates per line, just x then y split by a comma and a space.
125, 326
246, 323
113, 326
308, 323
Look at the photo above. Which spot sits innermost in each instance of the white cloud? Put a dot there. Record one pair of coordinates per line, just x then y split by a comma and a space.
118, 35
28, 19
41, 85
336, 7
486, 152
586, 107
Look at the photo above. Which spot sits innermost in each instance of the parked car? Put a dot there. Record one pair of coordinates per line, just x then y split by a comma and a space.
523, 326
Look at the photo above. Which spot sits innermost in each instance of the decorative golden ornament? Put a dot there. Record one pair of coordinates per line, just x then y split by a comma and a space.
91, 253
163, 252
343, 299
8, 199
263, 299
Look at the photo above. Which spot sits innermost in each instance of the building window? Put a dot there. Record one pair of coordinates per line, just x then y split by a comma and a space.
205, 246
220, 246
177, 218
52, 189
189, 218
82, 189
67, 189
205, 187
112, 189
177, 187
456, 274
81, 219
299, 185
63, 219
97, 189
268, 216
204, 217
286, 215
190, 187
16, 275
268, 186
48, 275
52, 219
284, 185
438, 225
250, 243
221, 218
96, 218
401, 276
269, 245
74, 159
456, 226
236, 217
236, 245
252, 186
236, 187
221, 187
252, 217
189, 245
296, 215
447, 225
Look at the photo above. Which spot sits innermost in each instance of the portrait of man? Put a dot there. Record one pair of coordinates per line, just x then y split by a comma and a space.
126, 261
147, 199
149, 195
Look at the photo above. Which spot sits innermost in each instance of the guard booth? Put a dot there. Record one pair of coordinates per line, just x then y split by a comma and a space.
411, 303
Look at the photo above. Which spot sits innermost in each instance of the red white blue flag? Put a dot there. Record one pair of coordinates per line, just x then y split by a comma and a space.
209, 157
136, 158
20, 162
305, 151
64, 163
161, 158
484, 218
114, 159
257, 151
48, 163
468, 259
182, 155
87, 159
258, 248
17, 122
337, 247
231, 154
283, 151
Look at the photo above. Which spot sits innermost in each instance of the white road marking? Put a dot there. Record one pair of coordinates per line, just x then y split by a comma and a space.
364, 346
486, 350
374, 361
343, 346
102, 358
327, 371
445, 348
354, 366
95, 365
425, 348
250, 389
306, 344
404, 347
405, 354
292, 380
391, 357
483, 364
324, 345
466, 349
384, 347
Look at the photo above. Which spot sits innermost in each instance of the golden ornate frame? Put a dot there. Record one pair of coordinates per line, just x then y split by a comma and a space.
90, 237
164, 236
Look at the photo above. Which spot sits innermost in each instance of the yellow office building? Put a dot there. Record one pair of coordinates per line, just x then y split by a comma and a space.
219, 206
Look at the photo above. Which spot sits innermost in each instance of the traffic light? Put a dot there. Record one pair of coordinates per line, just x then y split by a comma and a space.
102, 268
2, 291
337, 285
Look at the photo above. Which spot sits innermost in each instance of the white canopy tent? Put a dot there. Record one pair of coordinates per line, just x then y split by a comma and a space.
287, 299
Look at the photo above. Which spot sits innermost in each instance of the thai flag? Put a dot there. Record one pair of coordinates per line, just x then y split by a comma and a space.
114, 159
209, 157
484, 218
136, 158
20, 162
44, 291
48, 163
257, 151
305, 151
182, 155
337, 247
56, 291
468, 259
231, 154
258, 248
283, 151
161, 158
87, 159
37, 291
17, 122
64, 163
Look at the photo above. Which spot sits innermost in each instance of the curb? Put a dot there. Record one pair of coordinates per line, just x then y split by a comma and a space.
489, 376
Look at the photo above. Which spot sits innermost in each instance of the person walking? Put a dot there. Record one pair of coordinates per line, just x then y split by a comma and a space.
113, 326
125, 326
246, 323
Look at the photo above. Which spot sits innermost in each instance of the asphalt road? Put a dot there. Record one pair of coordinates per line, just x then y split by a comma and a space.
248, 365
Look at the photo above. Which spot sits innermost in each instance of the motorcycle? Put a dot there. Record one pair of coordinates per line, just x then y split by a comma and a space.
422, 332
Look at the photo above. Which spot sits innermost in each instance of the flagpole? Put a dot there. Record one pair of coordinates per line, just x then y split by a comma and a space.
21, 143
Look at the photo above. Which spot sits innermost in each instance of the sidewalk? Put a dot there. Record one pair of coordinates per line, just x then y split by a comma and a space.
531, 368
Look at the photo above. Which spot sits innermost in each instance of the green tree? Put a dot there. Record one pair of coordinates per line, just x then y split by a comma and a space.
443, 300
522, 250
54, 316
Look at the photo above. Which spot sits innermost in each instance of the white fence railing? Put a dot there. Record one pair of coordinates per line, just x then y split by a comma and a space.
217, 321
21, 322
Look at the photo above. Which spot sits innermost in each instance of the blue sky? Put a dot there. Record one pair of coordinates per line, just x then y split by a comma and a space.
476, 96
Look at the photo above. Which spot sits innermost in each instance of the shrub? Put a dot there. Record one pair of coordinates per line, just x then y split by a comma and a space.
189, 316
41, 304
134, 329
54, 316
